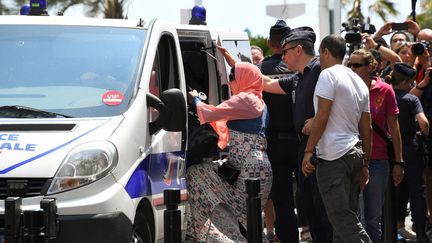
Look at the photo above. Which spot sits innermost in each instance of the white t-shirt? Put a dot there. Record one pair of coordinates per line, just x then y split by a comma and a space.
350, 97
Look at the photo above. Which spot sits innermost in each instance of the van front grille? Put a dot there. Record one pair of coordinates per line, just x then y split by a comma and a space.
23, 187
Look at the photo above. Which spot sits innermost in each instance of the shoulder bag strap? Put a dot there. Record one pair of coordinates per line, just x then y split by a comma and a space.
380, 132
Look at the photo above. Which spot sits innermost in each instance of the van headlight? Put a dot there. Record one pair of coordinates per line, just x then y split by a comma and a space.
85, 164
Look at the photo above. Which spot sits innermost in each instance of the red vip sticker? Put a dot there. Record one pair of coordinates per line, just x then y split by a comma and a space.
112, 98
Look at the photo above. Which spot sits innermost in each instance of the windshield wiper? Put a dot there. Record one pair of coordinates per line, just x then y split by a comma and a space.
17, 111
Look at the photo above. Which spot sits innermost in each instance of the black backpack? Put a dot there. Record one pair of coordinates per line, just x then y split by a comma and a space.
202, 141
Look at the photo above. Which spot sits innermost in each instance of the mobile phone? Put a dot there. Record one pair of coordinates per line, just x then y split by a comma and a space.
400, 26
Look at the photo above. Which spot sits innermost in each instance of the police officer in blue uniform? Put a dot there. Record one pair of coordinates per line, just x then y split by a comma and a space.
410, 110
282, 140
299, 54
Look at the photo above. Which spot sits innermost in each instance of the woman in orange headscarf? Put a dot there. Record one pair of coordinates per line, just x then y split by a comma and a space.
212, 199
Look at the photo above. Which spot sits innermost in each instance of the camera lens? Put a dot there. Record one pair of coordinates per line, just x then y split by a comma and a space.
418, 49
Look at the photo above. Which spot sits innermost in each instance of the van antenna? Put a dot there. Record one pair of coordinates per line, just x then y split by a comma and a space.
140, 23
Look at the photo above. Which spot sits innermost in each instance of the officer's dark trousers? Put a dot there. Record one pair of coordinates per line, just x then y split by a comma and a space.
282, 152
319, 225
413, 183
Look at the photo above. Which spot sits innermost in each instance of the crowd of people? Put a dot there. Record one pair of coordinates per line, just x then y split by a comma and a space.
339, 125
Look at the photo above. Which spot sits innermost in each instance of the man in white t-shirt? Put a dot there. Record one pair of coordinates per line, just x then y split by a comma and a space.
342, 117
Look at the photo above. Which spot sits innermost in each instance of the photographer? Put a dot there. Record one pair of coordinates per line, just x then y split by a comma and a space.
399, 31
401, 35
359, 36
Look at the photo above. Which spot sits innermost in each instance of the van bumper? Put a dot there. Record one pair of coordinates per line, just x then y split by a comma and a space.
107, 228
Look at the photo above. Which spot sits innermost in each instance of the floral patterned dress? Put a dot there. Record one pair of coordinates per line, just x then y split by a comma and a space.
215, 206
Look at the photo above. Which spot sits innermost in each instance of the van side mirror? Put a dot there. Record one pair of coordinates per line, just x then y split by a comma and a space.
172, 111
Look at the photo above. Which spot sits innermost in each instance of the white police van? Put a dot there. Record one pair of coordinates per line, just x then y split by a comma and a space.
93, 115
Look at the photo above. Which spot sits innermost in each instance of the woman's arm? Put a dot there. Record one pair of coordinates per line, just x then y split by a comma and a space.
228, 56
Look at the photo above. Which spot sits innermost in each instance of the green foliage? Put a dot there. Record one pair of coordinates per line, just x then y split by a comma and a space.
424, 19
382, 8
258, 40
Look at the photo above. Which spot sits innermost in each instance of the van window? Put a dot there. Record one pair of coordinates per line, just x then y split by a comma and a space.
240, 49
195, 66
69, 69
167, 63
154, 83
165, 73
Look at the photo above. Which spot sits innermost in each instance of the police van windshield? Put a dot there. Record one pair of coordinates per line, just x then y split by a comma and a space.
75, 70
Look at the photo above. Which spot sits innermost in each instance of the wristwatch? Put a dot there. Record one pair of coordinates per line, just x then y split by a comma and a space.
401, 163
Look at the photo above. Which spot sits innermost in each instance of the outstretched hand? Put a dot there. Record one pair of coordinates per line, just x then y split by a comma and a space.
228, 56
191, 95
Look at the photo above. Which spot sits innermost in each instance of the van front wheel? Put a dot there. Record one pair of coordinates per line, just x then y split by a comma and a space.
142, 231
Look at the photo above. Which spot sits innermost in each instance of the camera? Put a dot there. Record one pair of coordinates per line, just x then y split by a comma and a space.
353, 33
420, 47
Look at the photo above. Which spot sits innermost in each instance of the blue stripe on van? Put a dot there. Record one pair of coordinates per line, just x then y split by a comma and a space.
8, 169
156, 173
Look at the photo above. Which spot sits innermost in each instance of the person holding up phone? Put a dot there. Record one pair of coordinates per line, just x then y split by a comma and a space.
217, 196
400, 32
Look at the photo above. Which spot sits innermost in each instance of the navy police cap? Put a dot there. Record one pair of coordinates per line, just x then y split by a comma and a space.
300, 34
279, 28
404, 69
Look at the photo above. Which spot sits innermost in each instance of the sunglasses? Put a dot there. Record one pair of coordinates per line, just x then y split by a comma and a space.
356, 65
287, 49
232, 74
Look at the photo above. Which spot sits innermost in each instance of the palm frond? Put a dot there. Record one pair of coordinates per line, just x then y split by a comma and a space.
383, 8
113, 9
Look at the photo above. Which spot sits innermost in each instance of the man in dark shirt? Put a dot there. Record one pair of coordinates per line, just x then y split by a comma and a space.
299, 55
410, 112
280, 136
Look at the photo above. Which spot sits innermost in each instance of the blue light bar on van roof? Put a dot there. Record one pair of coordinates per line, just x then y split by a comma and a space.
25, 9
38, 7
40, 4
199, 12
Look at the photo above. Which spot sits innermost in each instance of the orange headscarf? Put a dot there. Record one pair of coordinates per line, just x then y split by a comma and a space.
246, 102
